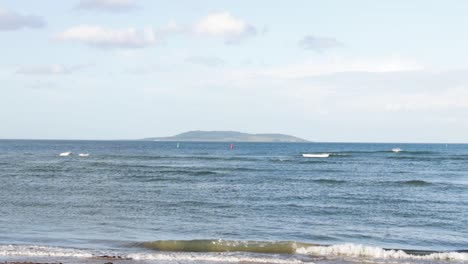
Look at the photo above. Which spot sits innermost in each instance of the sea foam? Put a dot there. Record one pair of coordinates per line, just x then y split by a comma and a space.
41, 251
362, 251
316, 155
212, 257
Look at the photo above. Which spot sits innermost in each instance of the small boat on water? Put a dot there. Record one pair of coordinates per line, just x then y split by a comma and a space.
396, 149
83, 154
311, 155
65, 154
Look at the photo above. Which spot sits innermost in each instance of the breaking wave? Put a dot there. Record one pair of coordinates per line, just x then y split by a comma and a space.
280, 247
42, 251
292, 247
215, 258
362, 251
225, 251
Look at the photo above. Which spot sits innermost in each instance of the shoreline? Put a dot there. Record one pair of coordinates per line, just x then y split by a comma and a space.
238, 253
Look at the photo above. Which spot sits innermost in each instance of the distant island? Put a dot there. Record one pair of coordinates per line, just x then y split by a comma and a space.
228, 136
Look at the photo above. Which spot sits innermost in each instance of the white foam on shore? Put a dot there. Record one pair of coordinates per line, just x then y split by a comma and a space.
211, 257
316, 155
362, 251
41, 251
176, 257
340, 250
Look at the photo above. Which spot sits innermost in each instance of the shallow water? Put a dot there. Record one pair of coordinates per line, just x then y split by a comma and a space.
360, 199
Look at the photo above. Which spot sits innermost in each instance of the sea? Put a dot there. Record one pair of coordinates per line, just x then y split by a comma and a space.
202, 202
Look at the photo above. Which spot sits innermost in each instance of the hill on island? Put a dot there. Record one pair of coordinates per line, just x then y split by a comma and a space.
228, 136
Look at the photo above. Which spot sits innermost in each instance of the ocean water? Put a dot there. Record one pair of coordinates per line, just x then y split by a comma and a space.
154, 202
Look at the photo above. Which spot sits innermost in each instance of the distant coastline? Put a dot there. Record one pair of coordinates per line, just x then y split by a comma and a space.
228, 136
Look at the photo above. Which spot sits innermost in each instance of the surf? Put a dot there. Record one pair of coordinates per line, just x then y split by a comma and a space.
364, 251
313, 155
278, 247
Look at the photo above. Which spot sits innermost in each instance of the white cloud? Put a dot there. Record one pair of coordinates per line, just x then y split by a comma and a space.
170, 28
221, 24
13, 21
225, 25
102, 37
206, 61
147, 69
107, 5
454, 98
319, 44
326, 66
54, 69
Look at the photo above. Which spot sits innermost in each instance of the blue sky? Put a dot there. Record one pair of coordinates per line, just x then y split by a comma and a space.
359, 71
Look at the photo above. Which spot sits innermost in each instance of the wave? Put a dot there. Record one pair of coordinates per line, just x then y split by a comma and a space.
65, 154
256, 158
167, 257
215, 258
280, 247
42, 251
227, 158
413, 158
316, 155
192, 157
435, 158
326, 155
225, 251
423, 183
329, 181
188, 172
292, 247
415, 183
409, 152
282, 159
33, 251
362, 251
389, 151
419, 152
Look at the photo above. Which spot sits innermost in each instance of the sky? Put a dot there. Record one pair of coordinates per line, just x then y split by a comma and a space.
334, 71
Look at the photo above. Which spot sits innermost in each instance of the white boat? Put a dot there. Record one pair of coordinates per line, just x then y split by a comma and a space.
65, 154
310, 155
396, 149
83, 154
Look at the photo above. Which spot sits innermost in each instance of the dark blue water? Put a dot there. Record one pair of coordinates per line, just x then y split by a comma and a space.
127, 192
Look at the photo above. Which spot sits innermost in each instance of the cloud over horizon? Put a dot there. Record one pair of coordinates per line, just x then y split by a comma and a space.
319, 44
107, 5
53, 69
332, 65
206, 61
103, 37
219, 25
10, 20
225, 25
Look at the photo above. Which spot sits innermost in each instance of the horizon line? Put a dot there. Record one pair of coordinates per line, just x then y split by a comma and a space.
201, 141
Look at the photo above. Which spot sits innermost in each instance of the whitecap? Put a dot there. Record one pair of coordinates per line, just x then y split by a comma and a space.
212, 257
362, 251
41, 251
65, 154
316, 155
